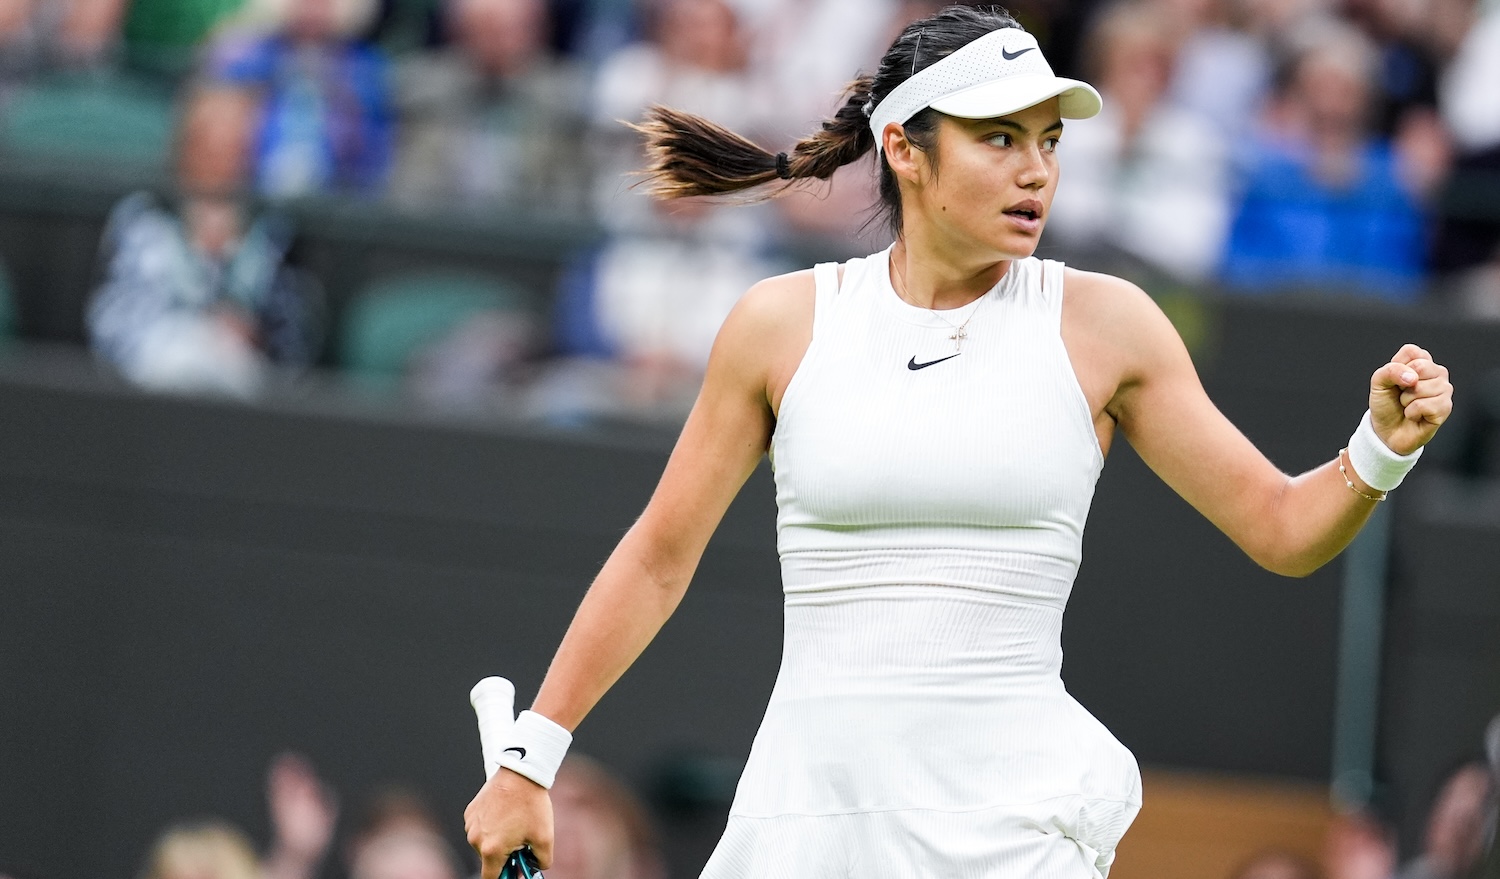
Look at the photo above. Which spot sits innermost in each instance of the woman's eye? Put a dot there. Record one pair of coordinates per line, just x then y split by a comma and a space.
1050, 144
1000, 140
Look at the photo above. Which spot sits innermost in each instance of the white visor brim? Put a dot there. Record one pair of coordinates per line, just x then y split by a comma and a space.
1002, 97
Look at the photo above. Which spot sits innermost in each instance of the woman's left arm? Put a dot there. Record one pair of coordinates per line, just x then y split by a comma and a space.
1291, 525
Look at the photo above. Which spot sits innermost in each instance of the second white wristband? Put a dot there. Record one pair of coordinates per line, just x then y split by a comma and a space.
537, 747
1379, 467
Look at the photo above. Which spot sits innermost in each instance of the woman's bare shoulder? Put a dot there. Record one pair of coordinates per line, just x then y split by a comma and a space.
772, 327
773, 311
768, 331
1119, 338
780, 299
1115, 311
1106, 297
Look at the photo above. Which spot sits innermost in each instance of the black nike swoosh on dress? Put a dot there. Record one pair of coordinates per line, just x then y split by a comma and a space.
914, 365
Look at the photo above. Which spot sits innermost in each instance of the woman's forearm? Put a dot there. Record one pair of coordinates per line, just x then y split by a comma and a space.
636, 591
1314, 518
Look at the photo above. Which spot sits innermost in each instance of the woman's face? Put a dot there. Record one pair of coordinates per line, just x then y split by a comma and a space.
990, 190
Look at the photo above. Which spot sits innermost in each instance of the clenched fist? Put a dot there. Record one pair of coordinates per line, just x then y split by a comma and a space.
1410, 397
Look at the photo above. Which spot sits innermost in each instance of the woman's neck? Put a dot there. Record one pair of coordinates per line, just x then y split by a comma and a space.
927, 277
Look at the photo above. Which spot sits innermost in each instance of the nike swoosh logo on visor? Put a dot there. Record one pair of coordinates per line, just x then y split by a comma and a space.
1011, 57
914, 365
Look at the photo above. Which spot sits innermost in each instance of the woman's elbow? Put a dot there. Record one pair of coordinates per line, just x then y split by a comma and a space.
1289, 564
1282, 546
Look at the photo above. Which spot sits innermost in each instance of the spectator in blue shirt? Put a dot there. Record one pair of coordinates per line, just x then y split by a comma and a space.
1326, 204
326, 123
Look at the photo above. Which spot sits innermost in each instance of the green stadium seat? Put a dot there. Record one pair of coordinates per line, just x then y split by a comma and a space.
396, 317
163, 36
109, 120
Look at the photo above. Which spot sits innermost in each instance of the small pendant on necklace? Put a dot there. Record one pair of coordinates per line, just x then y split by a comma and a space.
958, 338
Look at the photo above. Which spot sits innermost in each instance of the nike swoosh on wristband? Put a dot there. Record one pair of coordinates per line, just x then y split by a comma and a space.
521, 751
1011, 57
914, 365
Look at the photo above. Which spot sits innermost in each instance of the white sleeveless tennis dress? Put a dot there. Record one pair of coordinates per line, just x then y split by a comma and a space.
930, 524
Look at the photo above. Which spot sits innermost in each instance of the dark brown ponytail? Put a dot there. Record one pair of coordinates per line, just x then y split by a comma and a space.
688, 155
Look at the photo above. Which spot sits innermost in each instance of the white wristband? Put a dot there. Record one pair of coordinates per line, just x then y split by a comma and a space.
1380, 468
537, 747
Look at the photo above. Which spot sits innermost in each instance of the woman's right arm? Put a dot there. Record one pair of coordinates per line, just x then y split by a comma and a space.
640, 585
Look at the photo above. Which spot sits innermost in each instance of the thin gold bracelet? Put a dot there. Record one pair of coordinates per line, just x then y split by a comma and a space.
1380, 496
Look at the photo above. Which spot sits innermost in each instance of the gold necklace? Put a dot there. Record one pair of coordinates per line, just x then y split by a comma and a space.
959, 331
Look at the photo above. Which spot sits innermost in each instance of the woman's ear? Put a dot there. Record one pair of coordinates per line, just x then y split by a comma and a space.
906, 160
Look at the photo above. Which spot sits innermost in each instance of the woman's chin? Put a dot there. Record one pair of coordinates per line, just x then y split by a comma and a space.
1017, 247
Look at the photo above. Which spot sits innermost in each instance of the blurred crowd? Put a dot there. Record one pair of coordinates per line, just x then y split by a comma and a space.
1252, 146
1457, 841
602, 831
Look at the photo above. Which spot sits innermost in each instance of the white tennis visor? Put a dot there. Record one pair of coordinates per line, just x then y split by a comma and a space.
1000, 73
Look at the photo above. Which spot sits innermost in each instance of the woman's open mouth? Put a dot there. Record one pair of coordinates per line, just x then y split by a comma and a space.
1027, 215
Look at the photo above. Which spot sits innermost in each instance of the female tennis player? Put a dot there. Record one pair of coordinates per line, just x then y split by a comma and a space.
937, 415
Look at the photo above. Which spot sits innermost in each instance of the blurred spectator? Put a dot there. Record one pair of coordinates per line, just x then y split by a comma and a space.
1470, 97
1145, 177
1359, 845
493, 119
1276, 864
1059, 27
1455, 837
801, 54
1404, 86
1275, 21
202, 850
696, 58
653, 296
1327, 204
601, 830
1468, 238
651, 303
398, 837
1223, 68
302, 819
39, 35
199, 298
589, 30
324, 121
1405, 75
303, 813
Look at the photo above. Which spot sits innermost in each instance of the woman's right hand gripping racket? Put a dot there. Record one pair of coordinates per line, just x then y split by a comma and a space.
494, 706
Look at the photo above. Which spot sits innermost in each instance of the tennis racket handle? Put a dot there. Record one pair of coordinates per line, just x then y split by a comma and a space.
494, 701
